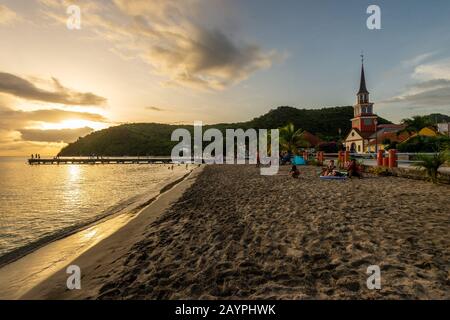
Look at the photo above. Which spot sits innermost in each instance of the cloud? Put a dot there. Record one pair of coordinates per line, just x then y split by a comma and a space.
16, 137
16, 119
431, 89
433, 70
431, 84
414, 61
167, 36
154, 108
23, 88
433, 93
7, 16
62, 135
208, 59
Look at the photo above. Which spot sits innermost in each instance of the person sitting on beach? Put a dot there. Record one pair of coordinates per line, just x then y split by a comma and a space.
286, 157
353, 169
294, 173
328, 170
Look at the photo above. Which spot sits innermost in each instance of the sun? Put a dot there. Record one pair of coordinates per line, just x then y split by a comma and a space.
73, 124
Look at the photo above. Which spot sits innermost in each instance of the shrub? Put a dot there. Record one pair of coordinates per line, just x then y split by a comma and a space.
432, 163
424, 144
380, 171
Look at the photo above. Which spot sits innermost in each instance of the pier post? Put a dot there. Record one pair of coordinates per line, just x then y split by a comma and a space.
346, 156
380, 158
320, 157
386, 162
393, 158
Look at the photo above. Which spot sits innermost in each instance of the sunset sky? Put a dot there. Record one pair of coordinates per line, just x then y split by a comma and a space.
215, 61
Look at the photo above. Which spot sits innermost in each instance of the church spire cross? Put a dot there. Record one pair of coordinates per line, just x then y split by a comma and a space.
362, 84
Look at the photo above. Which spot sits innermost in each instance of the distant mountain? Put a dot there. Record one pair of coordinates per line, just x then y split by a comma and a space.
154, 139
438, 118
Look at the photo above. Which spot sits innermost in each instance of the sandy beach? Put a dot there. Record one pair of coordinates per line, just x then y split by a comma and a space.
227, 232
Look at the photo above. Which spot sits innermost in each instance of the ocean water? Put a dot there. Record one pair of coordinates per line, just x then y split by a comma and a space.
40, 202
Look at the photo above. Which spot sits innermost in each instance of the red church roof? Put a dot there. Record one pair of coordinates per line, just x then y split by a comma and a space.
311, 139
392, 136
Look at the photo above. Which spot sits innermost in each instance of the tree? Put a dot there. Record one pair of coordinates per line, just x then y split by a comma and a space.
291, 138
415, 124
432, 163
424, 144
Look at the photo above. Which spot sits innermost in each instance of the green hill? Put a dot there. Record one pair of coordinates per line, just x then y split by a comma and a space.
438, 118
154, 139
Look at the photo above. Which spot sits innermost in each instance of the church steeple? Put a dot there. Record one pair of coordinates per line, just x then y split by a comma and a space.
363, 94
363, 110
362, 83
364, 121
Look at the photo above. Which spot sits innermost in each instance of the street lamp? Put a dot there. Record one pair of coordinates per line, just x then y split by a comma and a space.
376, 136
340, 138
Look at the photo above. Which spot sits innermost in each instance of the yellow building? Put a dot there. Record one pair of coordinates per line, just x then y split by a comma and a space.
427, 132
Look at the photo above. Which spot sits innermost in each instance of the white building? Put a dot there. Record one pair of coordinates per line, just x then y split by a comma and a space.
444, 128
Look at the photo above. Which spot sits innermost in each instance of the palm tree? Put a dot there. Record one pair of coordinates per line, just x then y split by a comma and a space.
432, 163
415, 124
291, 138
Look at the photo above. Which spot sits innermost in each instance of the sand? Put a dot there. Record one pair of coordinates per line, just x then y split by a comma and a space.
44, 269
230, 233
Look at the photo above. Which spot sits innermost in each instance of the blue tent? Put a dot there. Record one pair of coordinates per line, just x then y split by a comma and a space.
298, 161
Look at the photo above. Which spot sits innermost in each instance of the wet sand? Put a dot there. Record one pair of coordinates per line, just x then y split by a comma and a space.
231, 233
21, 275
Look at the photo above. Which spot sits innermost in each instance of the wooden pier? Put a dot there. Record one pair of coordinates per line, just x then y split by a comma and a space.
103, 160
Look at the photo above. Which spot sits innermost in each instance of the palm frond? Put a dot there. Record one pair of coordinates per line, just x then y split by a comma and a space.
432, 163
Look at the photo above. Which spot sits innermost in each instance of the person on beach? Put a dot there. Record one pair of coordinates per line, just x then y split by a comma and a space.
294, 173
353, 169
285, 158
329, 170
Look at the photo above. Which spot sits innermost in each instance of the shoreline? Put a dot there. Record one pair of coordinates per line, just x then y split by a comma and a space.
23, 272
131, 205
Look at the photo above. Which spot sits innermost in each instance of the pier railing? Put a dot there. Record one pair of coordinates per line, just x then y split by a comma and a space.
107, 160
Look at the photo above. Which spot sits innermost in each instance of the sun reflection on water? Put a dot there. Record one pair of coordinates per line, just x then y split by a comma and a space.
74, 172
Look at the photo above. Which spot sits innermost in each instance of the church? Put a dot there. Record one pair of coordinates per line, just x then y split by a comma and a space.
364, 121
